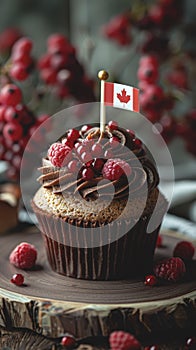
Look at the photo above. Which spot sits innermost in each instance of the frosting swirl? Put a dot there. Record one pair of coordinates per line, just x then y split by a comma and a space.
143, 177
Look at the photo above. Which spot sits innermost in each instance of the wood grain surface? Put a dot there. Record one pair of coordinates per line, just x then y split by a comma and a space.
50, 305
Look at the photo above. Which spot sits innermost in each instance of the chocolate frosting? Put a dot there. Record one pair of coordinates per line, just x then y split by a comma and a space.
143, 178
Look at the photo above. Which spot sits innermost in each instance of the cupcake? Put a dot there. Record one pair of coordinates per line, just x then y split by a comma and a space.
98, 197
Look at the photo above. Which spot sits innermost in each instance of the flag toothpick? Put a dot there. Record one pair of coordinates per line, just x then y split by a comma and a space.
102, 75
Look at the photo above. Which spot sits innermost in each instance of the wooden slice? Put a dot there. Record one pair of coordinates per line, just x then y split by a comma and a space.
54, 304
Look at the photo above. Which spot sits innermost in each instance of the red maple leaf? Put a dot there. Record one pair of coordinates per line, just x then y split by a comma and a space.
123, 97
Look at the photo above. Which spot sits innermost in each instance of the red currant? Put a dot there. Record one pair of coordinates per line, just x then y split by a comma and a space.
113, 125
114, 141
149, 59
152, 347
19, 71
21, 57
2, 112
23, 45
11, 114
17, 279
98, 164
44, 61
48, 75
11, 95
12, 131
81, 149
73, 166
131, 133
150, 280
87, 174
137, 143
56, 40
97, 150
68, 341
86, 157
77, 144
148, 73
73, 134
85, 128
108, 154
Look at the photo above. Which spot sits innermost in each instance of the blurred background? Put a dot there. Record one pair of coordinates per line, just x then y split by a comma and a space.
114, 35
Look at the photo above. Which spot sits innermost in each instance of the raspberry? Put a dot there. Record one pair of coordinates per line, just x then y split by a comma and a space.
184, 250
120, 340
114, 168
59, 155
172, 269
17, 279
23, 256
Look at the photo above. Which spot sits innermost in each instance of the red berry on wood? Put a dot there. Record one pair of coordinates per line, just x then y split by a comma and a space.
17, 279
150, 280
68, 341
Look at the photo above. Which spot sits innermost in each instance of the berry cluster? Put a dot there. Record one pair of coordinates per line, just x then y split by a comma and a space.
92, 157
164, 71
155, 103
60, 68
171, 269
17, 122
118, 29
21, 59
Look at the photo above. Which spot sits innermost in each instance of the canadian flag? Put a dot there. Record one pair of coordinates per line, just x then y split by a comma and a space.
121, 96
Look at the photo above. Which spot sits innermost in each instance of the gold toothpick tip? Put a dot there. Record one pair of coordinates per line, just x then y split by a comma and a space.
103, 75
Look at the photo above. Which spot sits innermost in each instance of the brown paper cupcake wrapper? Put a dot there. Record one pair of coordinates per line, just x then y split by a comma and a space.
128, 255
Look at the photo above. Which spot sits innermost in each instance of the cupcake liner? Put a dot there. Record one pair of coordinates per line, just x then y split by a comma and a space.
124, 256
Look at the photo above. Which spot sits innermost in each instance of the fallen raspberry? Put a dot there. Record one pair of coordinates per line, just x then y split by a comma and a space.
59, 154
184, 250
120, 340
23, 256
172, 269
114, 168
